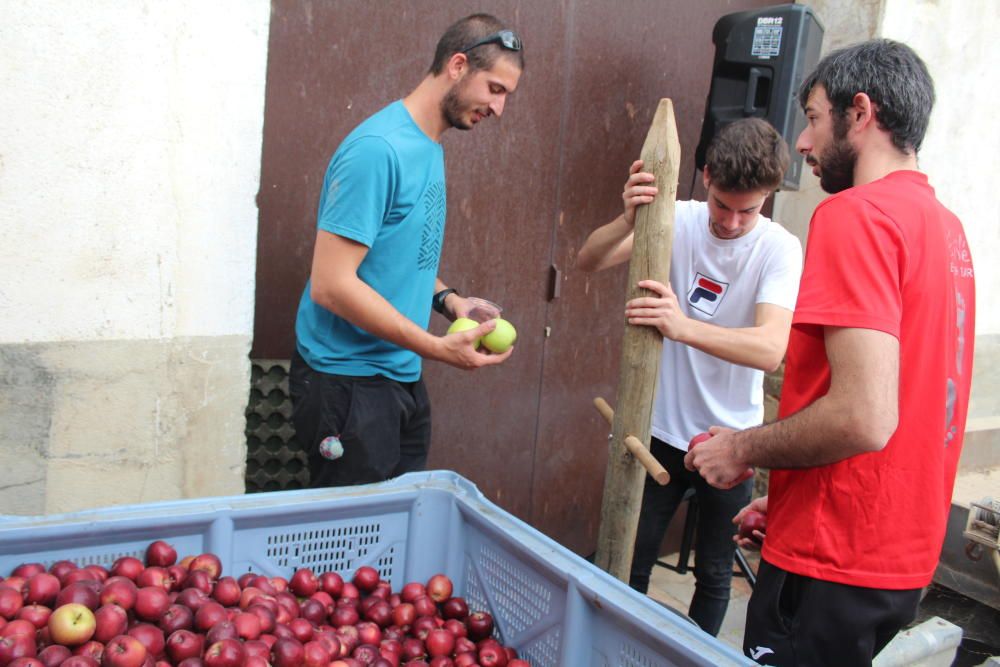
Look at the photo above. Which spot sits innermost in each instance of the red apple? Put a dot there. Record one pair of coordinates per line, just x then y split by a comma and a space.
454, 608
178, 573
303, 582
19, 626
256, 647
207, 562
61, 567
365, 578
439, 588
344, 615
456, 627
200, 580
151, 603
302, 629
151, 637
424, 606
119, 590
54, 655
87, 593
753, 520
27, 570
247, 625
379, 613
124, 651
17, 646
154, 576
698, 439
80, 661
111, 621
287, 652
72, 624
91, 649
331, 583
220, 631
517, 662
42, 588
208, 615
182, 644
264, 615
128, 567
100, 572
36, 614
78, 575
11, 601
316, 654
26, 662
404, 614
313, 611
192, 598
176, 617
227, 592
491, 654
480, 625
161, 554
225, 653
191, 662
439, 642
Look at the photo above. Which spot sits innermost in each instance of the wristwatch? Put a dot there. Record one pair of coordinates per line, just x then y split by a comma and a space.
437, 303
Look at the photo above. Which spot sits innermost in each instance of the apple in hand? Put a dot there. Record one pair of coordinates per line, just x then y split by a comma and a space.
72, 624
465, 324
702, 437
752, 520
500, 339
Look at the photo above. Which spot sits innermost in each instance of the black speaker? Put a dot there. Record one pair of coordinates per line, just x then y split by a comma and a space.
761, 58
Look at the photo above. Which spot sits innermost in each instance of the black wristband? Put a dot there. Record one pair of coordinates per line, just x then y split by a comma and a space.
437, 302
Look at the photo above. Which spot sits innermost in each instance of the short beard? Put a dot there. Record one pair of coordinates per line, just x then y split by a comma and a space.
451, 108
838, 161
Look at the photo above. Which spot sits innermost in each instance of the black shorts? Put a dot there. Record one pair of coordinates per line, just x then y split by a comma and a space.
382, 426
798, 620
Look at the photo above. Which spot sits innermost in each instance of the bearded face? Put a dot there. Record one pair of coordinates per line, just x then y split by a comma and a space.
836, 161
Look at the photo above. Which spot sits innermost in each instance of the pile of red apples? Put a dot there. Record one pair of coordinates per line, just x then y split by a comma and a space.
165, 613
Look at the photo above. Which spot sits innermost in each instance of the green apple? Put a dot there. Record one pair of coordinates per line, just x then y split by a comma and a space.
464, 324
500, 339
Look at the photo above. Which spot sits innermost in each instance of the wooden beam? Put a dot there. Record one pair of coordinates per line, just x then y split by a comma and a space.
641, 346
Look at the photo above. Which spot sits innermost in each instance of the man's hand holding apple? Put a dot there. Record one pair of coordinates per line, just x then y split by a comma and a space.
751, 520
717, 459
459, 348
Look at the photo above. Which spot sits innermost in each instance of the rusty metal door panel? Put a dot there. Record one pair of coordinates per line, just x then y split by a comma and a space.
623, 62
523, 191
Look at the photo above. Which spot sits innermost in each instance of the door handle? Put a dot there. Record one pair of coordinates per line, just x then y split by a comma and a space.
555, 282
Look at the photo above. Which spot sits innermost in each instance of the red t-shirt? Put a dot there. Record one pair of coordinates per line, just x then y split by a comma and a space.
885, 256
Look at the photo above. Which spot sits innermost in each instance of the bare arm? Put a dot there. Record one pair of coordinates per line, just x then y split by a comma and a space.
611, 244
337, 287
858, 415
761, 346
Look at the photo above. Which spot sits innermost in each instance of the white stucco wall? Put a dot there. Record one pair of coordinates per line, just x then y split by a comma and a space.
129, 162
961, 155
956, 40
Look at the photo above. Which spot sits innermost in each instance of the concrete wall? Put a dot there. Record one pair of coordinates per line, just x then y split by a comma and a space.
129, 164
955, 38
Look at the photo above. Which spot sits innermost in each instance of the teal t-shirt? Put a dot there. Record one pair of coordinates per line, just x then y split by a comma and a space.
385, 188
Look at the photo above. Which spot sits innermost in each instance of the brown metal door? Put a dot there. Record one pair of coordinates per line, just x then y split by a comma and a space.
523, 193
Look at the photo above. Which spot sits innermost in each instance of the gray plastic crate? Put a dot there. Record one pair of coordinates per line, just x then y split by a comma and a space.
550, 604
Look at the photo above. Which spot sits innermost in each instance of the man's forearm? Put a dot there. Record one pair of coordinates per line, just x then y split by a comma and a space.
756, 347
601, 243
816, 435
366, 309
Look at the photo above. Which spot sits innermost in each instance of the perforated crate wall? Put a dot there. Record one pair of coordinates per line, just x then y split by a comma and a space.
275, 460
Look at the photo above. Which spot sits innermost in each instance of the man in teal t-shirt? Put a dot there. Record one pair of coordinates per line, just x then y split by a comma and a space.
359, 404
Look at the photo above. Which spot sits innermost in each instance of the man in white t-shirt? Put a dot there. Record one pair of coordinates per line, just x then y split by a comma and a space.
725, 320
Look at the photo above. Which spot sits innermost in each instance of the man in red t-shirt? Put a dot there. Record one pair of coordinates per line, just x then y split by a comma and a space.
876, 390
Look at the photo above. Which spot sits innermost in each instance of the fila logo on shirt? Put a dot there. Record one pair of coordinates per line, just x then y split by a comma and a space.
707, 293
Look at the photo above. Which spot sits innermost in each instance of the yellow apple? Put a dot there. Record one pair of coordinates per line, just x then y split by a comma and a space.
464, 324
500, 339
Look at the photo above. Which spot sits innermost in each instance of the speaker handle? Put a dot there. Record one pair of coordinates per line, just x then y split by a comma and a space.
748, 108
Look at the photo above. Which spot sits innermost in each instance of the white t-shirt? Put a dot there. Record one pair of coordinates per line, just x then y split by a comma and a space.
720, 282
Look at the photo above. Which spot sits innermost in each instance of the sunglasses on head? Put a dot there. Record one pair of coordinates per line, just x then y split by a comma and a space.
505, 38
